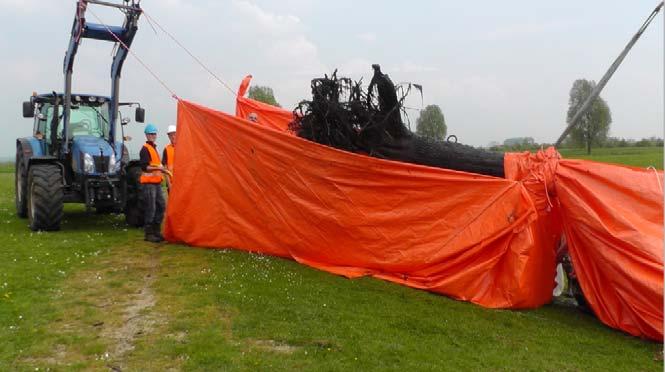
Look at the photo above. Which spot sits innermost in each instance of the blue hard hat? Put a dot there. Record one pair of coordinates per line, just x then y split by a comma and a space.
150, 129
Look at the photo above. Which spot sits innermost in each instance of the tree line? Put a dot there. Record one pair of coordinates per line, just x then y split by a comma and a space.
514, 144
592, 130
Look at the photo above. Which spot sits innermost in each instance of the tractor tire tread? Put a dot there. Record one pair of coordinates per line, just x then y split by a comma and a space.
21, 205
134, 208
46, 189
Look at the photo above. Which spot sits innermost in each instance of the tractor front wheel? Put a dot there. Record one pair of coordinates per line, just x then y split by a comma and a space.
45, 197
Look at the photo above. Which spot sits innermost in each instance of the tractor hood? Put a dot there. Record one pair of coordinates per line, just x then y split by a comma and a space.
94, 156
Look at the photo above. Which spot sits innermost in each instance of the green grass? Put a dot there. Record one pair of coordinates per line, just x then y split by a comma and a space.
635, 156
7, 168
95, 296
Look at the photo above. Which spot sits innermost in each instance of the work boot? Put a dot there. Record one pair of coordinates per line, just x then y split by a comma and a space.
150, 235
157, 231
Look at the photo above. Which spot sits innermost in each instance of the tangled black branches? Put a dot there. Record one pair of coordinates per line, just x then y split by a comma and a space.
342, 115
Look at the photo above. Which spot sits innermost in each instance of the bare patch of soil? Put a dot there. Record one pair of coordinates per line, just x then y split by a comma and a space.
136, 319
275, 346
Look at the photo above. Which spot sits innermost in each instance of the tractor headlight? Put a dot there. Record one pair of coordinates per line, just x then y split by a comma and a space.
88, 164
114, 165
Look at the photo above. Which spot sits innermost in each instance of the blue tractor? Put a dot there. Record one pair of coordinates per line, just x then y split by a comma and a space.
77, 152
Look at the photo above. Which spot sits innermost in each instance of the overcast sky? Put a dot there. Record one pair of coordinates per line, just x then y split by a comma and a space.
496, 69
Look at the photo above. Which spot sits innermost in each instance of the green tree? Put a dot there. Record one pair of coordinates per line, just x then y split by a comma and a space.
594, 125
263, 94
431, 123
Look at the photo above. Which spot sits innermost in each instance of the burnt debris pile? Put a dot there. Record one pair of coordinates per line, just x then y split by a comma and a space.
343, 115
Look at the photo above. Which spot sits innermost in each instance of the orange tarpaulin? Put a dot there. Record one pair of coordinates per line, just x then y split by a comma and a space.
268, 115
613, 220
477, 238
465, 235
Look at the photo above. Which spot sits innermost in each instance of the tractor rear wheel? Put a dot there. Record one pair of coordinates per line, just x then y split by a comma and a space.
20, 185
134, 213
45, 197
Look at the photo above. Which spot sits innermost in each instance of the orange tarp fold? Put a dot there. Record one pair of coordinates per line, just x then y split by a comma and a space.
476, 238
613, 220
268, 115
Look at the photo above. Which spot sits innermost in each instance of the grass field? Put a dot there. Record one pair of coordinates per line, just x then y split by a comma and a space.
635, 156
95, 296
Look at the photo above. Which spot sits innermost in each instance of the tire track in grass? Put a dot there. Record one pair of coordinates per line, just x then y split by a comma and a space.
137, 317
106, 309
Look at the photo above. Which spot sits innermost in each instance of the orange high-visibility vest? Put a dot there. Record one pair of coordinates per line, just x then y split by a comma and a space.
170, 156
154, 176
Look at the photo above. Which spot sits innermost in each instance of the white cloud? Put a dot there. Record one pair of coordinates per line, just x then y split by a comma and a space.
268, 23
278, 46
296, 54
368, 37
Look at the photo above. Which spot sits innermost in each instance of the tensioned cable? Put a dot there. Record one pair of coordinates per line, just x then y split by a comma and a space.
150, 23
151, 19
135, 56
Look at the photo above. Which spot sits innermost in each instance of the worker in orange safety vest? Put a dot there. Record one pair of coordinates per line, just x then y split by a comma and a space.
151, 186
168, 157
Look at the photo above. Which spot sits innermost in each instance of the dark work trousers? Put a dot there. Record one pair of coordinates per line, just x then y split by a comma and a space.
153, 203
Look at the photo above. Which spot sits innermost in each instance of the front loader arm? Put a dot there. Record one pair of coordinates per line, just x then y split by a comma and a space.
81, 29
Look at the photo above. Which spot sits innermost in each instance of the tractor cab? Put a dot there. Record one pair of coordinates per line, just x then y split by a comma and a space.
90, 148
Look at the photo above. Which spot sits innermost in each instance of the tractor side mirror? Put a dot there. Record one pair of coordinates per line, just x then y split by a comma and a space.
140, 115
28, 109
125, 121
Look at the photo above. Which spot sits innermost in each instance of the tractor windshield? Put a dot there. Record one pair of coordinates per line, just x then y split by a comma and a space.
84, 120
